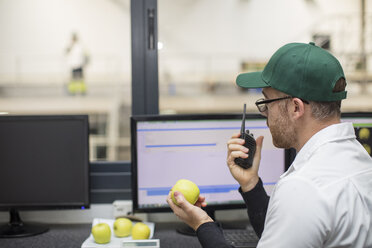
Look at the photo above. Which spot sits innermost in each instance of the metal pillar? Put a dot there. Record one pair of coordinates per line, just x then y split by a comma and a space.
145, 88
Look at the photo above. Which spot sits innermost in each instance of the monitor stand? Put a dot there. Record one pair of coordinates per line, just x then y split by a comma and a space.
186, 230
17, 229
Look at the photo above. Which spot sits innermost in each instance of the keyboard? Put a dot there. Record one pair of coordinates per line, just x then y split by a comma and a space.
241, 238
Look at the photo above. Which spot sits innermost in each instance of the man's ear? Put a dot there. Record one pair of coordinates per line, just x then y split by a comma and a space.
298, 108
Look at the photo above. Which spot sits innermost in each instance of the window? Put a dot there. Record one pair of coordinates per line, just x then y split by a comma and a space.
37, 58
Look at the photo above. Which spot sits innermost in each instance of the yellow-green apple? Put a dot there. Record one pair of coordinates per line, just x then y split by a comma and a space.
122, 227
364, 133
189, 190
140, 231
101, 233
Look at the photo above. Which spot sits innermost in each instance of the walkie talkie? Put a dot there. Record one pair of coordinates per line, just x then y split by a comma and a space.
250, 143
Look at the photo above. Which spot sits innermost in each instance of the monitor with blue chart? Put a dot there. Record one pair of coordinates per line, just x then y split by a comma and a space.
166, 148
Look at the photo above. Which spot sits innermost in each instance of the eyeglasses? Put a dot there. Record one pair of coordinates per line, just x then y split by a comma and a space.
262, 103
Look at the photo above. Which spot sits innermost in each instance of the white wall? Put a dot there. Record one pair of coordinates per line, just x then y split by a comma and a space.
217, 35
34, 35
202, 38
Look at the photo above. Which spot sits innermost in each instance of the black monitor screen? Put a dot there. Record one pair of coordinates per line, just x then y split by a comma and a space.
362, 122
172, 147
44, 162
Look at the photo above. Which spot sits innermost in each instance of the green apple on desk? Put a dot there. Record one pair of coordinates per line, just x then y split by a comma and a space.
189, 190
101, 233
140, 231
122, 227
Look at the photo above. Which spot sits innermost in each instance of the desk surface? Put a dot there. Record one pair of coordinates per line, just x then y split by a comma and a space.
73, 235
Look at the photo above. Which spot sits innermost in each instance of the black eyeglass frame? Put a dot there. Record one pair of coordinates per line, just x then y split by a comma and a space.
263, 101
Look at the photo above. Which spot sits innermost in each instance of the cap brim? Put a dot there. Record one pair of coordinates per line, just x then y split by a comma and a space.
251, 80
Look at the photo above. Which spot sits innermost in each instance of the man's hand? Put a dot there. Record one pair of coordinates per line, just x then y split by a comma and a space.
192, 215
247, 178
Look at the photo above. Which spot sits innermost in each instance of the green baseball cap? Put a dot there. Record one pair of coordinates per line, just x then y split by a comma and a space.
301, 70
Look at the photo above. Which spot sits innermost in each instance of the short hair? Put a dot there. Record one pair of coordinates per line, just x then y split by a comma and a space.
324, 110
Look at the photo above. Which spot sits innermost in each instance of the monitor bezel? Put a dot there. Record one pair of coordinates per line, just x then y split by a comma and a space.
356, 115
54, 206
133, 123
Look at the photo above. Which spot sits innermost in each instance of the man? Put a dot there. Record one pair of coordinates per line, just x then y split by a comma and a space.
325, 197
77, 59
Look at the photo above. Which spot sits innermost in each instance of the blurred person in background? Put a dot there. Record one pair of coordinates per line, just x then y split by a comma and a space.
77, 61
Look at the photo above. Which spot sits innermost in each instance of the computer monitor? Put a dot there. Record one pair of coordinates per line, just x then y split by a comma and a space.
44, 164
166, 148
362, 122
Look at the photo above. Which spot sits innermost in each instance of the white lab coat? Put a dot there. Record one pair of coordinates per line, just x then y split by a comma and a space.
325, 197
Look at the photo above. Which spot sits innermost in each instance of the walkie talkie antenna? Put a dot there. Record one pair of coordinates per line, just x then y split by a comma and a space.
242, 129
249, 142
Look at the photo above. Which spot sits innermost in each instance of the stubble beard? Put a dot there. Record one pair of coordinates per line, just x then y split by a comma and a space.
282, 131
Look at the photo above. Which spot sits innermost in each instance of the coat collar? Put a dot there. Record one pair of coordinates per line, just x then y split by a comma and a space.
335, 132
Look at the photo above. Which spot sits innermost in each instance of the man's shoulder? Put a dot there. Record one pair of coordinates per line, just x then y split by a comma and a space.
334, 162
329, 183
